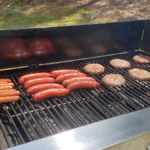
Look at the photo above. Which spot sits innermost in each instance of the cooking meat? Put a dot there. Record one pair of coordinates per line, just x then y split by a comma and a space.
35, 81
71, 80
120, 63
139, 74
143, 59
6, 87
8, 93
55, 73
40, 87
7, 84
7, 99
50, 93
63, 77
5, 80
8, 90
94, 68
23, 78
113, 80
82, 84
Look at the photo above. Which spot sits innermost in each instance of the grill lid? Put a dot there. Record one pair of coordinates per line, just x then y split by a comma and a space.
31, 47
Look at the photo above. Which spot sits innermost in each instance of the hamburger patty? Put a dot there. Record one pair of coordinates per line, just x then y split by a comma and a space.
94, 68
120, 63
139, 74
143, 59
113, 80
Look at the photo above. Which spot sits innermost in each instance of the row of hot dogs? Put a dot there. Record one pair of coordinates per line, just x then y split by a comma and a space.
7, 93
57, 83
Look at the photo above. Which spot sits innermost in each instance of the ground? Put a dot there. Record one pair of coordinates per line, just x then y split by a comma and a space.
17, 14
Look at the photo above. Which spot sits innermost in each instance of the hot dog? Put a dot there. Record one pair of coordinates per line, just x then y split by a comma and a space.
33, 75
40, 87
9, 99
63, 77
56, 73
8, 90
50, 93
7, 84
35, 81
70, 80
14, 93
83, 84
6, 87
5, 80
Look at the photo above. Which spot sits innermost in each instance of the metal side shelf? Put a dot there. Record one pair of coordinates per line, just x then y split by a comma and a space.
96, 136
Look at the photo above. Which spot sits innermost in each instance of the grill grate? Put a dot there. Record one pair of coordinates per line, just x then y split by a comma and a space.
26, 120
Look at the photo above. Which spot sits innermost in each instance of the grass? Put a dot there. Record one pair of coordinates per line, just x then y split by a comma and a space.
30, 17
21, 15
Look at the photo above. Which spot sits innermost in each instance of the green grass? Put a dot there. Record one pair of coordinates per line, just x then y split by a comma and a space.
30, 19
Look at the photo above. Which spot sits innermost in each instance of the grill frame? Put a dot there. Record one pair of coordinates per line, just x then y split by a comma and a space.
103, 134
71, 116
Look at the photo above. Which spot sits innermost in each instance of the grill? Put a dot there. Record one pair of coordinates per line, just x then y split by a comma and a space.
25, 121
85, 113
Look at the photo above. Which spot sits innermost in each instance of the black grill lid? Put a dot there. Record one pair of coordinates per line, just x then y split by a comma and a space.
73, 42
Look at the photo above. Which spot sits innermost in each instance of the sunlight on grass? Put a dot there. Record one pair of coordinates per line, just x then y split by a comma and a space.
106, 20
29, 11
31, 19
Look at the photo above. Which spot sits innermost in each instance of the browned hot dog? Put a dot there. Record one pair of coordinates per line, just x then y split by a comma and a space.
35, 81
63, 77
6, 87
7, 84
70, 80
14, 93
50, 93
83, 84
56, 73
9, 99
5, 80
8, 90
40, 87
33, 75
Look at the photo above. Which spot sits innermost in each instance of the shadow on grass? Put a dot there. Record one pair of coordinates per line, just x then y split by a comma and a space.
84, 5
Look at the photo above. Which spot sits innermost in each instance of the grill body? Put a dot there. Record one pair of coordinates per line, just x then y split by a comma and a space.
83, 111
